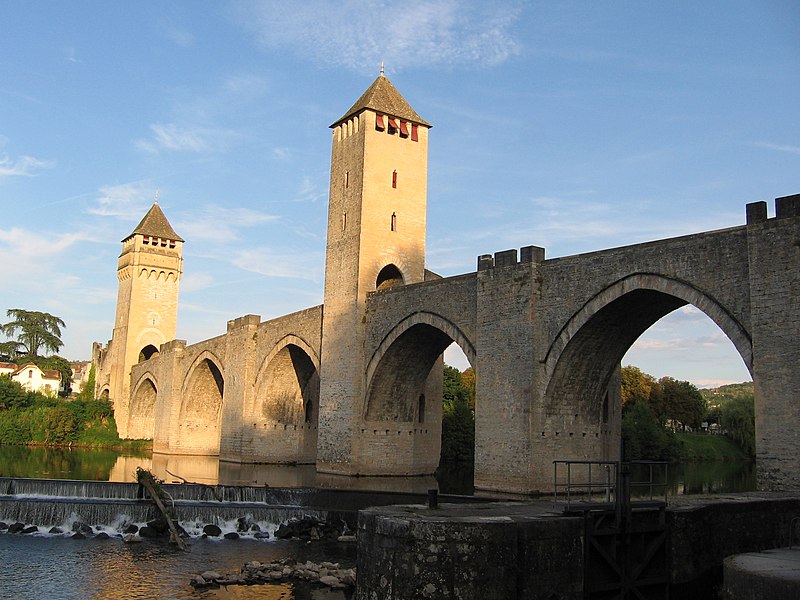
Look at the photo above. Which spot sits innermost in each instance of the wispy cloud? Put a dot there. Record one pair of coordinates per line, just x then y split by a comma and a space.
171, 137
265, 261
403, 33
70, 55
23, 252
24, 166
309, 191
179, 37
192, 282
779, 147
220, 224
127, 201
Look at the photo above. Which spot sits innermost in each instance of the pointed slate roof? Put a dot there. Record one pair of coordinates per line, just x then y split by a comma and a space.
384, 98
155, 224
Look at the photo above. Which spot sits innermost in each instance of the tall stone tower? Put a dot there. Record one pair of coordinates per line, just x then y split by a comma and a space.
149, 272
376, 239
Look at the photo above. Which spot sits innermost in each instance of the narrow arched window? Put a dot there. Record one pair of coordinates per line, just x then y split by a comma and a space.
394, 179
393, 225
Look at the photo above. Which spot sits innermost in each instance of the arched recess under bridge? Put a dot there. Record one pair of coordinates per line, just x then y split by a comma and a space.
581, 407
286, 411
405, 389
142, 409
199, 423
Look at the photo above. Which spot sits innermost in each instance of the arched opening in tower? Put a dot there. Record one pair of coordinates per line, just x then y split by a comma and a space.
388, 277
147, 353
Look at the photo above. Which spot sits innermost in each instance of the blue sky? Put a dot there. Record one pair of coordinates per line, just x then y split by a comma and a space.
576, 126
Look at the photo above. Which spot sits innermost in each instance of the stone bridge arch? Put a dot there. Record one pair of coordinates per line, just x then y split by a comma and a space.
142, 409
200, 415
281, 425
404, 389
581, 404
428, 321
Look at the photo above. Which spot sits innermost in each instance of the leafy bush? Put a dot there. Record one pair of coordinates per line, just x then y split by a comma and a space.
60, 426
31, 418
644, 435
458, 419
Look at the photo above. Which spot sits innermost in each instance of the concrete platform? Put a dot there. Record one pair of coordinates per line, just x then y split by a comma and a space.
773, 574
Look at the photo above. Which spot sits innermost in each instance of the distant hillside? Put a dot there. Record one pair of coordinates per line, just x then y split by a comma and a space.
729, 392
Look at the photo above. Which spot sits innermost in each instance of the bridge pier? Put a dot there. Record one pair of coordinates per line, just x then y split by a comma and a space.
774, 266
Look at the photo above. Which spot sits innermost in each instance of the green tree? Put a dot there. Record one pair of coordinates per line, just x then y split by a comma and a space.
458, 419
635, 385
682, 403
57, 363
12, 394
468, 380
87, 391
32, 330
644, 435
60, 426
737, 419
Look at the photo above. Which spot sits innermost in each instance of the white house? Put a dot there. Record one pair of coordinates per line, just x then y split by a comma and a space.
32, 378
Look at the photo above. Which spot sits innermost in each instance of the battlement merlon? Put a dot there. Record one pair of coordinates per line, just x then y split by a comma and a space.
245, 321
785, 207
508, 258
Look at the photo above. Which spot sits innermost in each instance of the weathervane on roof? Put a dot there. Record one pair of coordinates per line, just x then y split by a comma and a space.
382, 73
156, 196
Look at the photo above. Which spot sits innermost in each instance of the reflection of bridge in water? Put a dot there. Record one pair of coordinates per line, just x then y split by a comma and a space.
210, 470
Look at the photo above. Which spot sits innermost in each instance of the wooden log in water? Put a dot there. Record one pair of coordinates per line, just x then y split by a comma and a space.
174, 536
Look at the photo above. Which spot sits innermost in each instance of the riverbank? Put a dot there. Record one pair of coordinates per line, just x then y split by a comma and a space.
704, 447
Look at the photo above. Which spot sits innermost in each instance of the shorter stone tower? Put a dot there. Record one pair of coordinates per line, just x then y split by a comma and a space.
149, 272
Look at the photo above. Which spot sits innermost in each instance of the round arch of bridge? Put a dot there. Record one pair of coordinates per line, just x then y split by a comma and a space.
142, 409
287, 386
399, 367
584, 356
199, 422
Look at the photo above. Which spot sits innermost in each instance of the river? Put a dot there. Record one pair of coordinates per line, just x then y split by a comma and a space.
111, 465
55, 566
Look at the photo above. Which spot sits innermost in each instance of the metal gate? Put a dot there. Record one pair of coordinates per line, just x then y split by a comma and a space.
627, 558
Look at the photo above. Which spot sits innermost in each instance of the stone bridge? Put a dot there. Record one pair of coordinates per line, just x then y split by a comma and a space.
545, 337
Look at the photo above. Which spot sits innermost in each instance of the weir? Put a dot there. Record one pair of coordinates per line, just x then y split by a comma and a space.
58, 503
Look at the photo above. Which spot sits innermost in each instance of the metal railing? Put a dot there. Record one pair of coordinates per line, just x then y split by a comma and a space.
595, 482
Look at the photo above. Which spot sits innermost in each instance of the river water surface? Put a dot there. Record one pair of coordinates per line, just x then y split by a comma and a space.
44, 566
